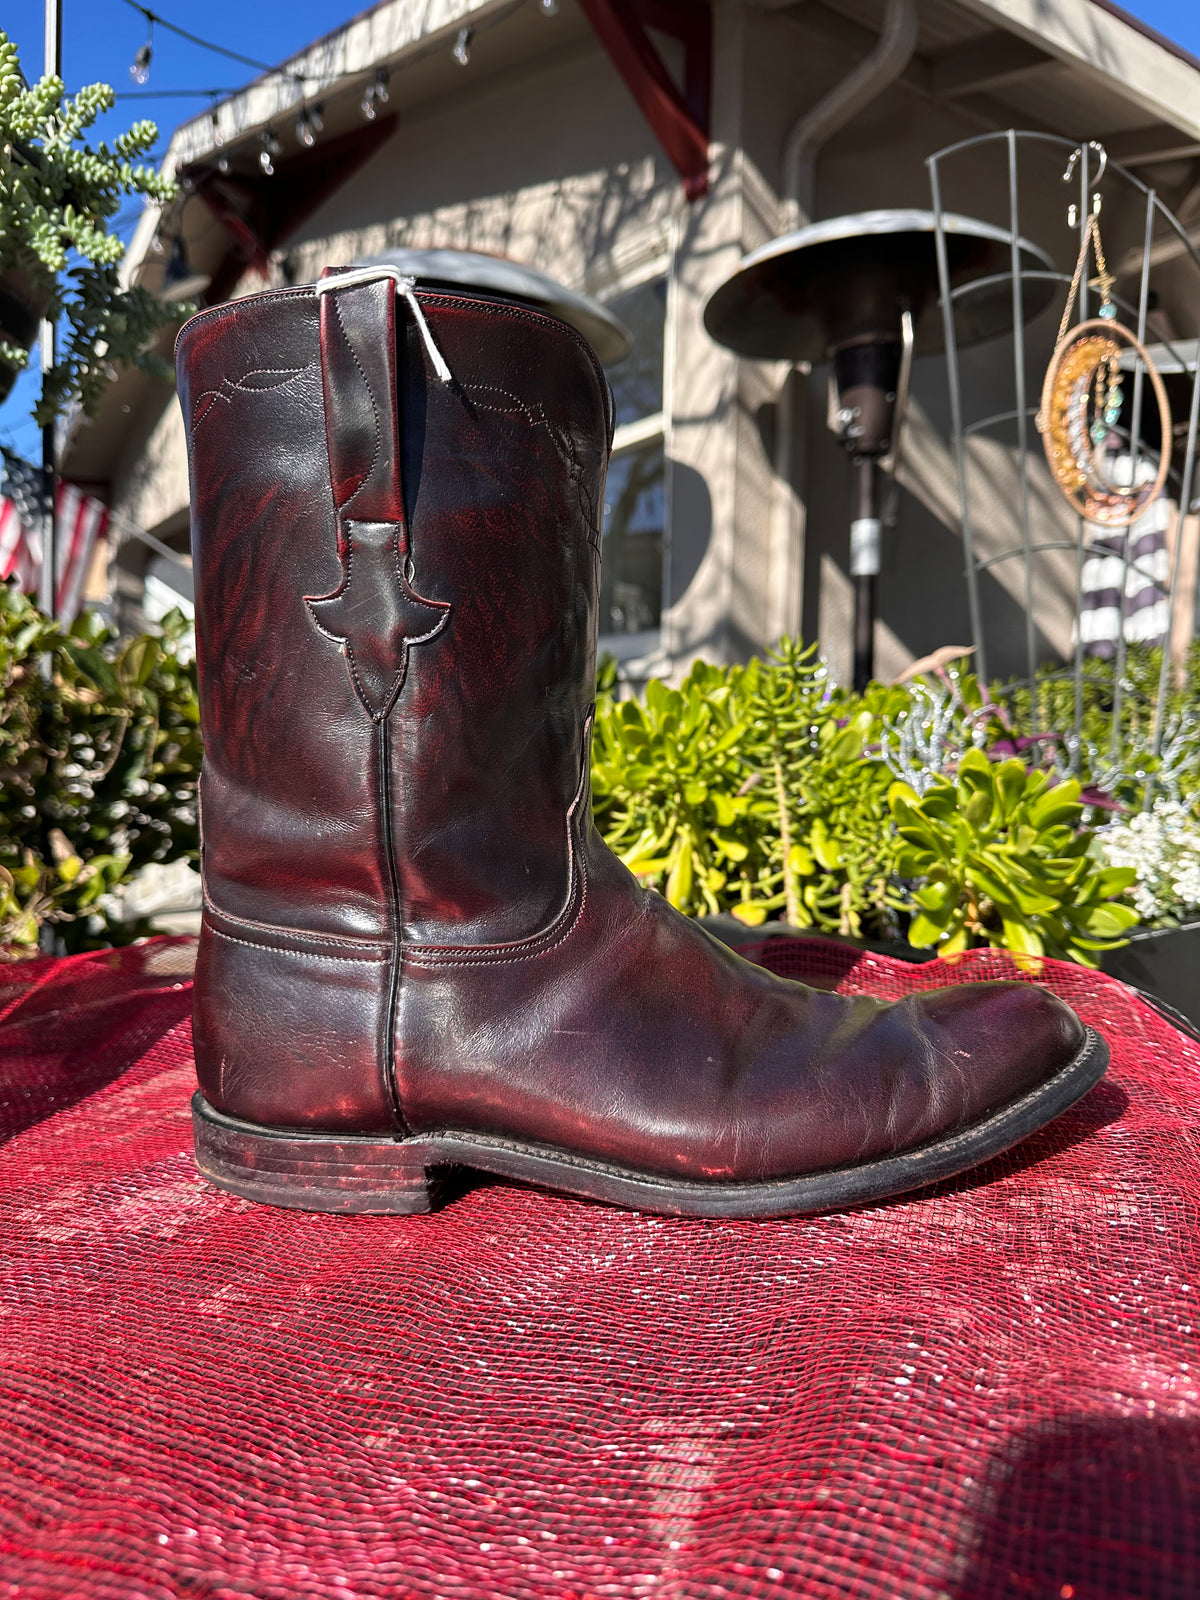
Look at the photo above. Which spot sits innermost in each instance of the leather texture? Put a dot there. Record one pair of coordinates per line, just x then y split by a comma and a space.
412, 924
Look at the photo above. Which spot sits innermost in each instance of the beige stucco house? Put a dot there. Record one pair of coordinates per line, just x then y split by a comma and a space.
728, 500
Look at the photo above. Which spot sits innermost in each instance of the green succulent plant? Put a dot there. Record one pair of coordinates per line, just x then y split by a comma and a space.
744, 791
57, 256
1002, 859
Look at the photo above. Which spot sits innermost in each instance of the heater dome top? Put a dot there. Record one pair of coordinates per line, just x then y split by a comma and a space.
473, 269
848, 278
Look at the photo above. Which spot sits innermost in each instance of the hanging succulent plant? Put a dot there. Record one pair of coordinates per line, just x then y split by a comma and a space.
57, 258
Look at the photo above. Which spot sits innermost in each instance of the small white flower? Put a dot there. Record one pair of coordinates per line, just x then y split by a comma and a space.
1163, 847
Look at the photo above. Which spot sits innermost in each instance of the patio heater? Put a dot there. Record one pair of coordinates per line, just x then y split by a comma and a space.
860, 292
473, 269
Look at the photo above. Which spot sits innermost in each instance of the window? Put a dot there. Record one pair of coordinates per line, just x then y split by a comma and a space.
631, 568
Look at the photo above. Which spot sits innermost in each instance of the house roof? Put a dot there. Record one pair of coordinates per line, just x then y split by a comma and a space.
1075, 67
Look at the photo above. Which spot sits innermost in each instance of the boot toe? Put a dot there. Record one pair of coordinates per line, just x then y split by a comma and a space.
998, 1040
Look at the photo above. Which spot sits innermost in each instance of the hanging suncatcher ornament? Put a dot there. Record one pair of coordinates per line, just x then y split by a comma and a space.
1079, 417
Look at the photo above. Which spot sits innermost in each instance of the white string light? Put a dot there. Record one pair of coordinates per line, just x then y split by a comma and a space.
309, 119
375, 94
549, 8
270, 147
309, 124
140, 70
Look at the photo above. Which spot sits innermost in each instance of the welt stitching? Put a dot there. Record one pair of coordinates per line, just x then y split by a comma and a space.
453, 302
343, 644
537, 948
490, 307
287, 933
283, 950
562, 926
231, 307
387, 1062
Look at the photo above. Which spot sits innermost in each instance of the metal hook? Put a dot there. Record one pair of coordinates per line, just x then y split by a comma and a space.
1076, 155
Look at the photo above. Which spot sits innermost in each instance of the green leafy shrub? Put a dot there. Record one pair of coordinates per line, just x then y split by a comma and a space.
765, 789
99, 757
744, 791
1001, 858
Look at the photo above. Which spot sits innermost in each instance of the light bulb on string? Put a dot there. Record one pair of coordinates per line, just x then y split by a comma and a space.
218, 138
305, 131
140, 70
549, 8
223, 166
375, 94
270, 147
462, 47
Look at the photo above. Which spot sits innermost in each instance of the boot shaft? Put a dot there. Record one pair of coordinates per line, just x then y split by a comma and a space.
396, 605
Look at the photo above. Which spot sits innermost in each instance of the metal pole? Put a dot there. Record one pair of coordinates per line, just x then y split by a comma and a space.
1022, 405
865, 531
1135, 450
956, 424
49, 583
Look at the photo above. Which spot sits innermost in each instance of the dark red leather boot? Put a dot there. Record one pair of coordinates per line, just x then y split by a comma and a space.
416, 950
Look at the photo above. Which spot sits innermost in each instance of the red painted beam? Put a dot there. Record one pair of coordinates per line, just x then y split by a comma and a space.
679, 120
260, 212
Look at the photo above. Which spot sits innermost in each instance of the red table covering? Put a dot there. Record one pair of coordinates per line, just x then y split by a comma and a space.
986, 1390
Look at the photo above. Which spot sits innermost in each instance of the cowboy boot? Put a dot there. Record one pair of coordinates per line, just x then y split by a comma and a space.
416, 951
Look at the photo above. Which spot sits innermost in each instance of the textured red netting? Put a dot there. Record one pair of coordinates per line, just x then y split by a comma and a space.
987, 1390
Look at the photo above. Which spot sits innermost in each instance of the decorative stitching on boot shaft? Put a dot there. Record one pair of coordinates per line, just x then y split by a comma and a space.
563, 925
371, 621
230, 386
303, 955
562, 442
363, 948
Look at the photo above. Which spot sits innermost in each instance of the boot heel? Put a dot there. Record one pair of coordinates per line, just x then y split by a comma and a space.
312, 1171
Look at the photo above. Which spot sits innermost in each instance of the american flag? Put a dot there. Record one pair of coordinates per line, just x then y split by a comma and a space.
82, 519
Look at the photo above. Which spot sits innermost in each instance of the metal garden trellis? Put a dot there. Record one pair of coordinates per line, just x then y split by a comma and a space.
1089, 162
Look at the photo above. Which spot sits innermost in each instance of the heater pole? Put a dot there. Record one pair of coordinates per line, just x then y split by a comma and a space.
866, 529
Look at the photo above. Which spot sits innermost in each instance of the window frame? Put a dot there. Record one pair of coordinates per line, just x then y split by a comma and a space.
645, 654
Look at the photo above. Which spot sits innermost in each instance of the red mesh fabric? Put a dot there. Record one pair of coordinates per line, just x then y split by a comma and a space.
988, 1390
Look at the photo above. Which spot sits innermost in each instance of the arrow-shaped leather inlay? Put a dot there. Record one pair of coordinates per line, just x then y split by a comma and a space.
375, 614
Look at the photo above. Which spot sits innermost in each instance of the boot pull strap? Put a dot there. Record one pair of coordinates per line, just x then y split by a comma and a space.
406, 288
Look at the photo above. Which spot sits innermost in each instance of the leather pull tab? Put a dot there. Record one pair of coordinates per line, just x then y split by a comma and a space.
358, 367
374, 614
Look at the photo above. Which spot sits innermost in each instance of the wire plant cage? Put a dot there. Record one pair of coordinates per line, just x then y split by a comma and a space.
1021, 537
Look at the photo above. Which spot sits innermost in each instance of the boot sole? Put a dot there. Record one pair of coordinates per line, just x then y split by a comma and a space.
373, 1174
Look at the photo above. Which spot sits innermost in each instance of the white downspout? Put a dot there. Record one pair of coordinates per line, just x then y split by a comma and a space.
845, 100
873, 74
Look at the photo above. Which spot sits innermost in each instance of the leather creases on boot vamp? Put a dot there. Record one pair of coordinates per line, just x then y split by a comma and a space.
416, 949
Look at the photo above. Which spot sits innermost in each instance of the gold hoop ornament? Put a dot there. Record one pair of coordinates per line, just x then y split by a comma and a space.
1077, 431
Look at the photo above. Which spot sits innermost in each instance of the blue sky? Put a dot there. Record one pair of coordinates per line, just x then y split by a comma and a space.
100, 40
101, 37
